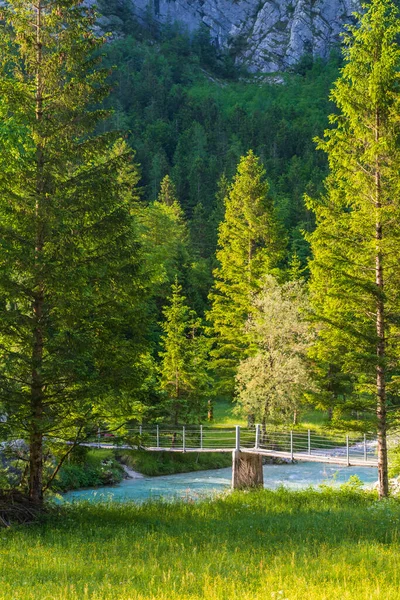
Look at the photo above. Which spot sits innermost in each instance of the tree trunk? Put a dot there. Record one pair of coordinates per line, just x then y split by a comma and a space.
210, 413
37, 387
381, 389
295, 417
381, 341
250, 420
264, 430
36, 466
37, 407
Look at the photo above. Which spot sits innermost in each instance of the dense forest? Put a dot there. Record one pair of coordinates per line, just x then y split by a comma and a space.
191, 114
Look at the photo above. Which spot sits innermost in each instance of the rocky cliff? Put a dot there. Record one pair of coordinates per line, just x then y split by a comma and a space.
269, 35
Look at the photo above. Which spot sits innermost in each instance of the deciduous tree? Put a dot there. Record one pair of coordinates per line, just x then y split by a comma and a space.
272, 381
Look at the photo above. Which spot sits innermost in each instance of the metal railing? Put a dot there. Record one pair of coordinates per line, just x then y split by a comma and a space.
347, 448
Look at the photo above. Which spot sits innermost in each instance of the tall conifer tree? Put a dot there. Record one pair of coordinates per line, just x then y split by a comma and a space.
250, 245
167, 195
356, 246
165, 239
184, 372
70, 287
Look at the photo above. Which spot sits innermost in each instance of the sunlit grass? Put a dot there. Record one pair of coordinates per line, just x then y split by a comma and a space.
224, 414
246, 546
315, 420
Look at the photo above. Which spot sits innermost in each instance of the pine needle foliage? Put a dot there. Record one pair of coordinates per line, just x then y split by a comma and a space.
355, 275
165, 240
70, 283
250, 245
184, 361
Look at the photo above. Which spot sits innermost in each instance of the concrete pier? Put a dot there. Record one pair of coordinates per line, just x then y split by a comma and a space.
247, 470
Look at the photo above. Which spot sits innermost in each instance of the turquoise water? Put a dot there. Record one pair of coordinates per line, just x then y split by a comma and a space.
202, 484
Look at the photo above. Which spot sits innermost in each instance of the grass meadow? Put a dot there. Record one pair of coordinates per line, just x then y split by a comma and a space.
264, 545
309, 418
225, 416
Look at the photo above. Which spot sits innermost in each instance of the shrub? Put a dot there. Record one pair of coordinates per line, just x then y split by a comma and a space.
98, 467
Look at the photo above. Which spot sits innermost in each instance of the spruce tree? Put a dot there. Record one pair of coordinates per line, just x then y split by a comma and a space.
166, 247
70, 284
250, 245
218, 213
356, 246
167, 194
295, 269
184, 370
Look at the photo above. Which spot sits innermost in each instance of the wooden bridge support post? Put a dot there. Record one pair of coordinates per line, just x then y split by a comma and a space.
347, 451
158, 436
247, 470
365, 447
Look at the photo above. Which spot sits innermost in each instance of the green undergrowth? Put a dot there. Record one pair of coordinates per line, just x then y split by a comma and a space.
88, 468
322, 545
168, 463
394, 460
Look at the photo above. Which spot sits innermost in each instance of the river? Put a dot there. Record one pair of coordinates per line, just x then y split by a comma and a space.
208, 483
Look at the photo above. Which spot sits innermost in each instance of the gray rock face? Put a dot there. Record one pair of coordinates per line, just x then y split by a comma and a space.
268, 35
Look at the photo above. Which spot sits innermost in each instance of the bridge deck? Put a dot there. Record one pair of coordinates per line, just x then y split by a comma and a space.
340, 449
297, 456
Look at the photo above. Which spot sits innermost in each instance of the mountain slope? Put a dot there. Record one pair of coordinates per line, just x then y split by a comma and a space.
267, 35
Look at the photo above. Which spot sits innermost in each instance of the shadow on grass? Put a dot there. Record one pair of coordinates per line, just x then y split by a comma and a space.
241, 519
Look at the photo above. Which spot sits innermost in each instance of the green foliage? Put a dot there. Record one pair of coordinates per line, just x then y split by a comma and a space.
272, 381
88, 469
168, 463
184, 367
194, 122
71, 286
189, 119
117, 17
295, 270
165, 240
355, 276
249, 246
394, 460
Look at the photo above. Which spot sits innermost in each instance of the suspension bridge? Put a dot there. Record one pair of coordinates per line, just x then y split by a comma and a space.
342, 449
249, 445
